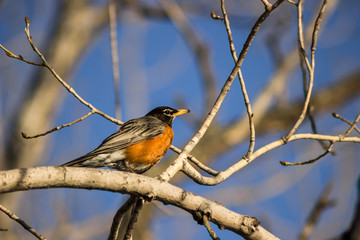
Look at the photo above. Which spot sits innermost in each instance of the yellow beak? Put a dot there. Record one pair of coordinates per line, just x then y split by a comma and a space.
181, 112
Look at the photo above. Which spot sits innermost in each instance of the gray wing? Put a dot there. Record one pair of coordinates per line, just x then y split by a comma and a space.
132, 132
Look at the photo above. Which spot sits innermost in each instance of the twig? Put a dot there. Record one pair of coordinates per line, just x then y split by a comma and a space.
310, 108
115, 226
315, 131
267, 5
320, 206
197, 162
329, 148
216, 17
275, 87
304, 59
179, 162
302, 51
223, 175
311, 67
115, 56
19, 57
292, 2
206, 223
241, 80
133, 219
22, 223
352, 126
73, 92
62, 82
335, 115
58, 127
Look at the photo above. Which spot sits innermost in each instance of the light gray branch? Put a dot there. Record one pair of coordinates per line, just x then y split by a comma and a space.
129, 183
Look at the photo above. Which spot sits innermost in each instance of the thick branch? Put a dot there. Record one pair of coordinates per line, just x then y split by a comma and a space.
129, 183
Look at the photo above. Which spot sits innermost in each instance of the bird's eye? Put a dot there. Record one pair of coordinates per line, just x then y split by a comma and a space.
167, 111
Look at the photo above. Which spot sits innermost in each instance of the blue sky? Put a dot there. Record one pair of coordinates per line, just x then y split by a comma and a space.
157, 68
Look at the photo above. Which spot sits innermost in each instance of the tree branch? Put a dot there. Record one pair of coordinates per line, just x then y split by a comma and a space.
115, 226
329, 148
58, 127
178, 163
61, 81
134, 218
129, 183
249, 111
222, 176
335, 115
310, 66
22, 223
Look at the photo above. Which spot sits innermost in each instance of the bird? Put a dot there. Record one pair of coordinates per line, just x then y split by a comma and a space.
138, 145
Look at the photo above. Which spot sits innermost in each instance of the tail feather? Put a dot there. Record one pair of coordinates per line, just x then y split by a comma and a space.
78, 162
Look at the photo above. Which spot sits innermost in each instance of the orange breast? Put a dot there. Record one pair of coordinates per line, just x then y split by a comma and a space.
150, 151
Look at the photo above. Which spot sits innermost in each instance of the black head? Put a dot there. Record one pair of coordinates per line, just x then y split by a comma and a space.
167, 114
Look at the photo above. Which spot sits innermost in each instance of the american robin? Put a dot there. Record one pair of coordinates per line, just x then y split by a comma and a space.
139, 144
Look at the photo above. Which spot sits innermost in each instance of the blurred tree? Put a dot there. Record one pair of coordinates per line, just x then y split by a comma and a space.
173, 53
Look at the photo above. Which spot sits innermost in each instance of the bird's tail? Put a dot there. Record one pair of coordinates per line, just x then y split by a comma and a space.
78, 162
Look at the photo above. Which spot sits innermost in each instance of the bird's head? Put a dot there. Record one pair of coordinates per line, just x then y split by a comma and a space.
167, 114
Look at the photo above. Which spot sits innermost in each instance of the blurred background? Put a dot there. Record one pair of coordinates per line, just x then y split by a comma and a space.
183, 64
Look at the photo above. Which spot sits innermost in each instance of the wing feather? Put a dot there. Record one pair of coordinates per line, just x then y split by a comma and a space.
132, 132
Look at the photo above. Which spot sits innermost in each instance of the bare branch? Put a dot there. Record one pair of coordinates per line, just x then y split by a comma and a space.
73, 92
223, 175
267, 5
19, 57
292, 2
316, 29
206, 223
302, 50
305, 79
58, 127
133, 219
216, 17
115, 226
179, 162
285, 116
314, 129
352, 126
311, 68
129, 183
197, 162
335, 115
22, 223
67, 87
241, 79
329, 149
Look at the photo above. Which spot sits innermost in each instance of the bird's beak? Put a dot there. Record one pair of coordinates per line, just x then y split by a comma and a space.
181, 112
